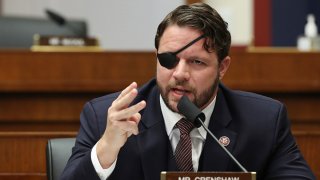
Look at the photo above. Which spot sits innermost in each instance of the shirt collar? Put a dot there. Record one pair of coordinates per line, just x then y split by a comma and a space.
171, 118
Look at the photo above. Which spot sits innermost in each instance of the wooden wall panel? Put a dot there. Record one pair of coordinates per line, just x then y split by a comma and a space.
42, 95
309, 144
42, 107
278, 72
23, 154
73, 72
192, 1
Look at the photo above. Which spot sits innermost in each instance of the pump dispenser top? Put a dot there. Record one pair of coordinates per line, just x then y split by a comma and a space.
310, 41
310, 29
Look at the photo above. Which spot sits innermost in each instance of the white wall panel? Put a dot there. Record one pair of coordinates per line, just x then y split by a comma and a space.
239, 15
130, 25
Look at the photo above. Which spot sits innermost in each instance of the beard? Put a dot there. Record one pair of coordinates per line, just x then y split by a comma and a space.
199, 100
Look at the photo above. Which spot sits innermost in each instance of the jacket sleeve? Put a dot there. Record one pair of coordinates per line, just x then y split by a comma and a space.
286, 160
79, 165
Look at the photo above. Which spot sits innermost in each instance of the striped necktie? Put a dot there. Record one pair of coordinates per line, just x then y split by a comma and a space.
183, 153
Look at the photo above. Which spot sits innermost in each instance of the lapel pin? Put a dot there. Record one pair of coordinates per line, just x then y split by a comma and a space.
224, 140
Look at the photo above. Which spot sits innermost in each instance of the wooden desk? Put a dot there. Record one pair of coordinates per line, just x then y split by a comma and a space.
42, 95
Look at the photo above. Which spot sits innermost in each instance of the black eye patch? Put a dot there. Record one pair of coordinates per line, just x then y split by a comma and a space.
169, 60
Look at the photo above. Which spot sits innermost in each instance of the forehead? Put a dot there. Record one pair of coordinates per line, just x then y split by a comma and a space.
175, 37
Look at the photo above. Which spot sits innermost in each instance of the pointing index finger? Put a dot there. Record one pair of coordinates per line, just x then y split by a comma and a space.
128, 89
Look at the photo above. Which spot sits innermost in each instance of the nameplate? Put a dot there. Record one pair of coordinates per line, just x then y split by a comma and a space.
208, 176
64, 43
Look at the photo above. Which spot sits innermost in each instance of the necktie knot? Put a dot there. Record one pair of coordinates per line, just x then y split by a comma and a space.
184, 126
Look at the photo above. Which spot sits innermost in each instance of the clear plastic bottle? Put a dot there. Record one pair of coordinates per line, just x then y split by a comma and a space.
310, 29
310, 41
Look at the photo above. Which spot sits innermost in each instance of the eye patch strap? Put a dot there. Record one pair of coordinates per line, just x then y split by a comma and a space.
189, 44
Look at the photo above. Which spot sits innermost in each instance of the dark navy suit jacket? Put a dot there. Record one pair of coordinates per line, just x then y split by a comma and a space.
257, 126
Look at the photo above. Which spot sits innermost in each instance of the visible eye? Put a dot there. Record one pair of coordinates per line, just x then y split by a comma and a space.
198, 62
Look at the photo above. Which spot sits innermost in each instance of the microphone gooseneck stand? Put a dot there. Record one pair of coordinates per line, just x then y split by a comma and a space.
193, 114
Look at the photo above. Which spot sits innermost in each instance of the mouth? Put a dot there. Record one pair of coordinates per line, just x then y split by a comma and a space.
177, 91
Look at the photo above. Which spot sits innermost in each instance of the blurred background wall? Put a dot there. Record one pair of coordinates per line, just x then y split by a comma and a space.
130, 25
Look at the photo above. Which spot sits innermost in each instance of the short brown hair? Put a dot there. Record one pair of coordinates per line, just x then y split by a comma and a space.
204, 18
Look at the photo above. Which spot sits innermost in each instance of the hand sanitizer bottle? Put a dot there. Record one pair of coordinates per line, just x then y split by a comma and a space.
311, 30
310, 41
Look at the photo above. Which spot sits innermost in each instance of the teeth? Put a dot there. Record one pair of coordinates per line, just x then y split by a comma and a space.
180, 91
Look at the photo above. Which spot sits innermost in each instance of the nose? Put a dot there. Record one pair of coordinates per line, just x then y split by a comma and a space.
181, 71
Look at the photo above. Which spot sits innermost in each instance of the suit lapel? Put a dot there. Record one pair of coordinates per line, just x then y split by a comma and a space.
213, 158
155, 148
153, 140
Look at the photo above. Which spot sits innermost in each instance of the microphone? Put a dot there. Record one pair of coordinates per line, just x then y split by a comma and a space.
193, 114
56, 17
61, 21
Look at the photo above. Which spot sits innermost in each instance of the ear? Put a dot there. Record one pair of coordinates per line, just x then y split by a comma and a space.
223, 67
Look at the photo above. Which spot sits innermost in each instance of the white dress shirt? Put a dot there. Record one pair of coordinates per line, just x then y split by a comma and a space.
198, 137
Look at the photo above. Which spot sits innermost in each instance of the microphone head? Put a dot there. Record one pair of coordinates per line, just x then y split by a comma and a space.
56, 17
190, 111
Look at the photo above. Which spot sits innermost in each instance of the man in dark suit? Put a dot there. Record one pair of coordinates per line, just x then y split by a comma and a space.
133, 134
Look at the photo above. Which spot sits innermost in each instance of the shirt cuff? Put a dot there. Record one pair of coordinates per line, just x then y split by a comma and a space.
102, 173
